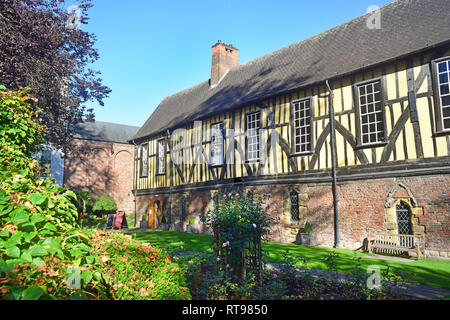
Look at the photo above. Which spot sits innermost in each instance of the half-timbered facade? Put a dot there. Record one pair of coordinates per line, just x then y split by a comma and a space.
268, 125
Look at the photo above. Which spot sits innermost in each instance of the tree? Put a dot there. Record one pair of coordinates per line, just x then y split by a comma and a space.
41, 47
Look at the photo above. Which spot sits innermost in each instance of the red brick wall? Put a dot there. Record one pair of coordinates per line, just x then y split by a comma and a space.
103, 168
361, 208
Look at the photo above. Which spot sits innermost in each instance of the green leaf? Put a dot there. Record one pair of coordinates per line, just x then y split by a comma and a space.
37, 262
19, 216
28, 236
4, 233
14, 240
89, 259
26, 256
37, 251
37, 198
86, 276
32, 293
36, 218
50, 226
13, 252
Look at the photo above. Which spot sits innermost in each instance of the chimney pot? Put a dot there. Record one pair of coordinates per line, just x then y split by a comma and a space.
224, 57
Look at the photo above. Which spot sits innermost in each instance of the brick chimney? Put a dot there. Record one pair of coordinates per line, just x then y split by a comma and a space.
224, 57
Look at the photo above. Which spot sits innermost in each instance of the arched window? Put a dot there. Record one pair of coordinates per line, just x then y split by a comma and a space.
403, 219
295, 214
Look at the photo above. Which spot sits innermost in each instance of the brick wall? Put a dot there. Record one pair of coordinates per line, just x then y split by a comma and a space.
102, 168
363, 209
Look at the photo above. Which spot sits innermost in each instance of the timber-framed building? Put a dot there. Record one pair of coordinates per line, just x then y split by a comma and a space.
377, 86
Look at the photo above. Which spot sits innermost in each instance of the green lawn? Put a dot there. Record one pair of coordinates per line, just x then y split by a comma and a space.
429, 272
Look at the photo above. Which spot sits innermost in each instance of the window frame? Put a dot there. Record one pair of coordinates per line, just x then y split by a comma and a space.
291, 193
311, 125
141, 158
223, 144
383, 99
438, 109
158, 173
247, 160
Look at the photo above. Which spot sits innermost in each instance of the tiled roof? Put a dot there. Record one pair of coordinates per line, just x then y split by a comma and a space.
407, 26
104, 131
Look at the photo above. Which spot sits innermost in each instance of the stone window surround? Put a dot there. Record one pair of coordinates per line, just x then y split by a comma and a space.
390, 218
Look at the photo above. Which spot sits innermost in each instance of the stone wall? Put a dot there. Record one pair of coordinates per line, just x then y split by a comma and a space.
365, 209
102, 168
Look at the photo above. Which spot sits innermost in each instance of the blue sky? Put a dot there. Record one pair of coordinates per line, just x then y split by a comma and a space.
151, 49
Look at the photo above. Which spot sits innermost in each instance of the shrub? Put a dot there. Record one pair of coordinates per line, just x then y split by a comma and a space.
83, 202
104, 205
307, 229
239, 223
40, 239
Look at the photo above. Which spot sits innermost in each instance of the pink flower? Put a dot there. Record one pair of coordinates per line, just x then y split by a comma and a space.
275, 275
332, 298
218, 259
214, 216
254, 225
228, 265
226, 244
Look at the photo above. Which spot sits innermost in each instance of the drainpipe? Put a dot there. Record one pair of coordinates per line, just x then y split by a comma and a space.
135, 187
334, 167
169, 143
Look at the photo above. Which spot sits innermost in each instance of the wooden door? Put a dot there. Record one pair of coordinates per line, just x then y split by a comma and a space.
151, 215
158, 211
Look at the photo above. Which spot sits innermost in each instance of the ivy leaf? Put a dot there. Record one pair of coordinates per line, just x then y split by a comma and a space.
32, 293
37, 251
86, 276
4, 233
37, 262
36, 218
26, 256
37, 198
13, 252
19, 216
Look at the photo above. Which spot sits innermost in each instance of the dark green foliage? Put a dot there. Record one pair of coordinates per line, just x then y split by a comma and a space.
83, 202
41, 50
307, 229
104, 205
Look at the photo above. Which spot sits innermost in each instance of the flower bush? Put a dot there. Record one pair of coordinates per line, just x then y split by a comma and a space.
239, 223
41, 243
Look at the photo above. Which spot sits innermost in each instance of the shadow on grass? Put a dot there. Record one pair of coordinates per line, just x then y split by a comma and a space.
428, 272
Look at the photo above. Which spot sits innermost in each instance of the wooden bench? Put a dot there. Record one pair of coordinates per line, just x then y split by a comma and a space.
397, 243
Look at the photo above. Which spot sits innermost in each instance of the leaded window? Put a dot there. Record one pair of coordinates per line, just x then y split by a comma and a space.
295, 213
443, 70
371, 113
403, 219
217, 144
144, 160
161, 157
302, 126
253, 135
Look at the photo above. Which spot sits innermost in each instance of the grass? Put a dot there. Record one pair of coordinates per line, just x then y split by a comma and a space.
424, 271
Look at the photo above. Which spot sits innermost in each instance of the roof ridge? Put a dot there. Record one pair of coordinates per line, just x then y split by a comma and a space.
120, 124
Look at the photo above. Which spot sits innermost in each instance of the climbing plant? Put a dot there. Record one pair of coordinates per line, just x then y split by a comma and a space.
239, 222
